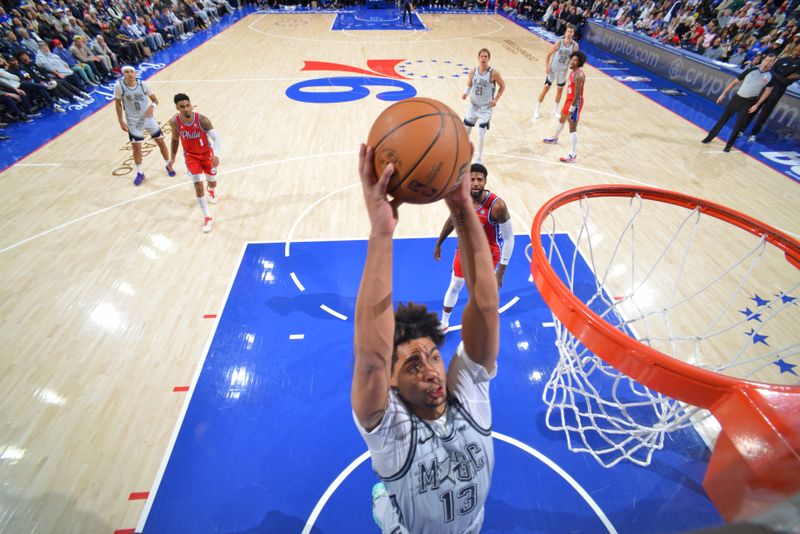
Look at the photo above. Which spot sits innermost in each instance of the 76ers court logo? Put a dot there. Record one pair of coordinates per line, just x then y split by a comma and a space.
339, 89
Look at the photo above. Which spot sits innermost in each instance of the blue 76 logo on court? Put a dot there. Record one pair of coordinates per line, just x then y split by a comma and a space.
340, 89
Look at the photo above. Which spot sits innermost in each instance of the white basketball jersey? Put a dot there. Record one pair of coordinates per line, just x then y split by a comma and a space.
482, 87
134, 99
560, 60
445, 479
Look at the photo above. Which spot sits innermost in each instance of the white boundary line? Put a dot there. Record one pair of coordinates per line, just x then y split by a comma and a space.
287, 247
168, 188
563, 474
296, 280
297, 336
187, 399
508, 305
329, 491
36, 165
333, 312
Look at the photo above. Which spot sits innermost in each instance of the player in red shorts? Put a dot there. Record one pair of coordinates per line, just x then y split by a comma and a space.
572, 107
496, 223
201, 146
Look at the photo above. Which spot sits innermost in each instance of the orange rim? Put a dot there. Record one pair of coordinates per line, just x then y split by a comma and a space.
650, 367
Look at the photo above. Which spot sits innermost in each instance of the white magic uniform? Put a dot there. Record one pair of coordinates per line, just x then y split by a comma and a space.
437, 473
135, 101
480, 97
559, 65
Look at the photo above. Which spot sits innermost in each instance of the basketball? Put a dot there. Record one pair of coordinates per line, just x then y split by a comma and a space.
428, 145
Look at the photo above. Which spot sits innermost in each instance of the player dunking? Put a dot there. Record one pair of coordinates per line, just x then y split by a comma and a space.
556, 66
496, 223
427, 427
572, 107
201, 146
482, 98
139, 103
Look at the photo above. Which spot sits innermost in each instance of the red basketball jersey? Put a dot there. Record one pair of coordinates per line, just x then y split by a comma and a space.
571, 89
193, 138
491, 229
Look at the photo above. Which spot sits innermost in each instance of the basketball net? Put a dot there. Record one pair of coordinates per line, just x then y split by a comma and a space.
699, 304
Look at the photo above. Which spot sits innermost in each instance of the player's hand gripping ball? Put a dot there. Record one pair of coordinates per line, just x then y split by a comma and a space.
428, 145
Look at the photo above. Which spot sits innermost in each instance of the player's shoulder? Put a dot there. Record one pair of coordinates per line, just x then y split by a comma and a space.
497, 204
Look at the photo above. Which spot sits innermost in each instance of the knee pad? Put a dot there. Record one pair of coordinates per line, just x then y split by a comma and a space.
451, 297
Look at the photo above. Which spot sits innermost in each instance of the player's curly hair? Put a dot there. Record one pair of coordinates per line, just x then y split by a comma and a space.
581, 57
413, 321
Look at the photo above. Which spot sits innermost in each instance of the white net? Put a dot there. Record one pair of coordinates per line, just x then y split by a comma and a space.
686, 284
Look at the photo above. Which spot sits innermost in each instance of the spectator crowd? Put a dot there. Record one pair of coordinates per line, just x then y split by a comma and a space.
53, 54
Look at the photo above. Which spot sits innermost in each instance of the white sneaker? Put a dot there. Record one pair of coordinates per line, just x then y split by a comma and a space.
212, 196
556, 114
58, 109
537, 114
208, 222
751, 139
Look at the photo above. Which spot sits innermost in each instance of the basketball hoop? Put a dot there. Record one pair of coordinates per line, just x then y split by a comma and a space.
657, 336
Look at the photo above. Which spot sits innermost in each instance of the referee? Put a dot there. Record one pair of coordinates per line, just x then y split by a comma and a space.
785, 72
746, 101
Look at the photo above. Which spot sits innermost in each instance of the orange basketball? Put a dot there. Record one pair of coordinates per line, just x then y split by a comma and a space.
428, 145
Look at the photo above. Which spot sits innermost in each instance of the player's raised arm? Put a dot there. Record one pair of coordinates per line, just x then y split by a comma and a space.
447, 229
374, 319
480, 322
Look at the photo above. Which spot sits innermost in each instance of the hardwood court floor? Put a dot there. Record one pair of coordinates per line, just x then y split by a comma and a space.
105, 285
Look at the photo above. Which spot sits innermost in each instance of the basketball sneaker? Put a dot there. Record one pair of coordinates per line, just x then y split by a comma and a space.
568, 159
550, 140
212, 196
556, 114
537, 114
751, 139
139, 178
170, 172
208, 222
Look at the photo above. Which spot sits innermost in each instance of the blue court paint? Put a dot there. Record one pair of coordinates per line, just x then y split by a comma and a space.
29, 137
362, 18
348, 89
269, 426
